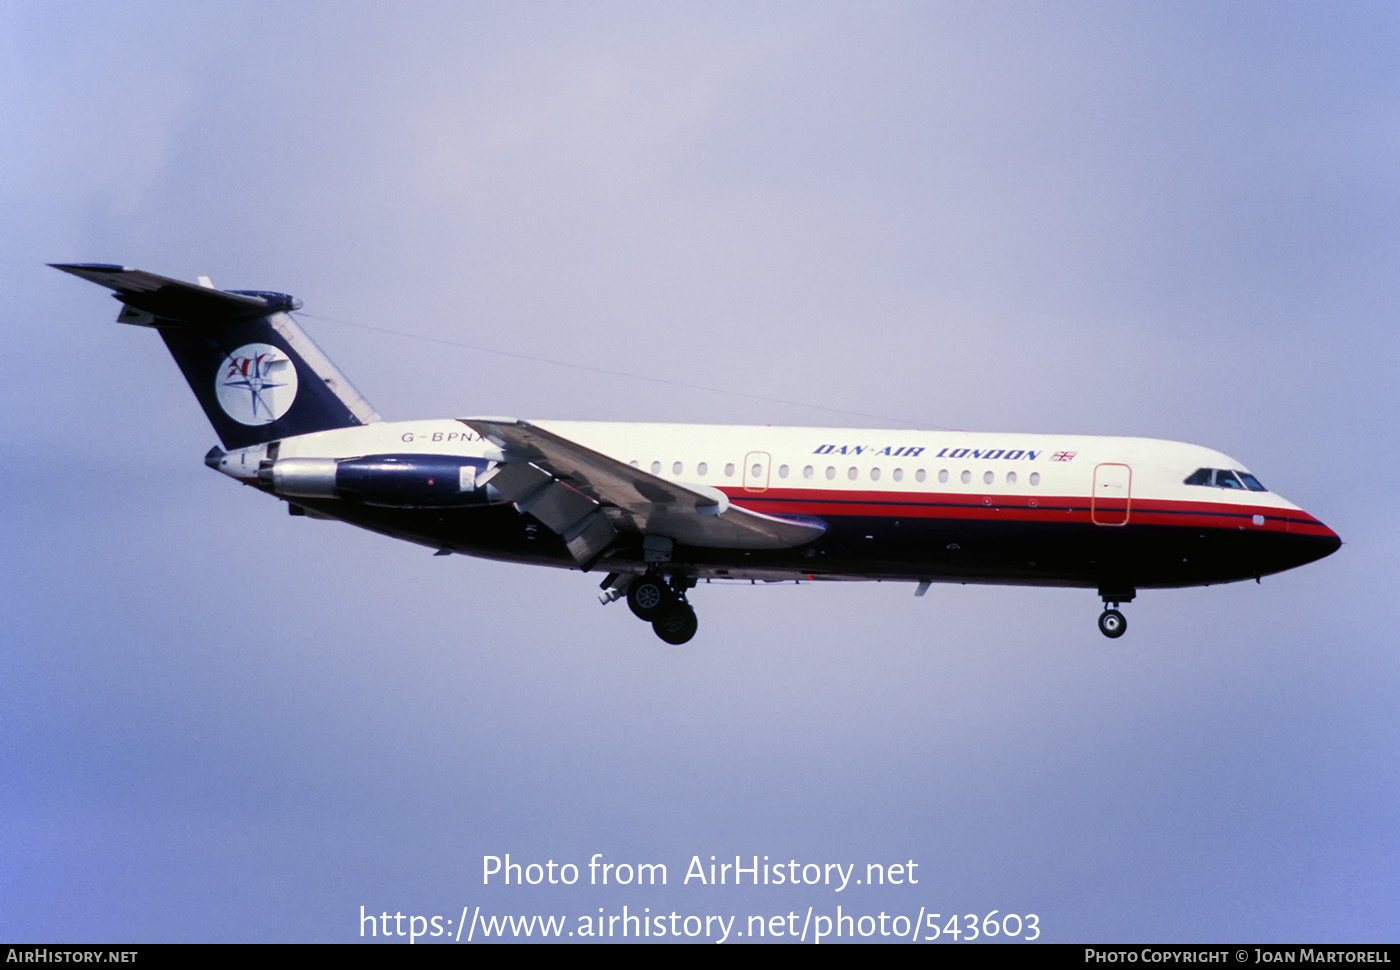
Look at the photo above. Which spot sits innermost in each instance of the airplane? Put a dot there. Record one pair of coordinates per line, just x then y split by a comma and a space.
658, 508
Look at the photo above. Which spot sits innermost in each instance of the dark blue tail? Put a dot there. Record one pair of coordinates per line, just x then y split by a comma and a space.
256, 374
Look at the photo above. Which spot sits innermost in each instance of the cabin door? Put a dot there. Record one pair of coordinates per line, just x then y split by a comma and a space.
1112, 499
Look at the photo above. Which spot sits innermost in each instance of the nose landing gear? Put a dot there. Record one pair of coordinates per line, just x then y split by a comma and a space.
1112, 623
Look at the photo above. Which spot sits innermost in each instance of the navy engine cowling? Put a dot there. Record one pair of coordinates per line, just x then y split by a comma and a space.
391, 481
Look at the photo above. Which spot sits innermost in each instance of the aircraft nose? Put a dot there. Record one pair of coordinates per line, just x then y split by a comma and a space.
1311, 540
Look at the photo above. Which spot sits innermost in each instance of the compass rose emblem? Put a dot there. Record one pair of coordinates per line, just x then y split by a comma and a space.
256, 384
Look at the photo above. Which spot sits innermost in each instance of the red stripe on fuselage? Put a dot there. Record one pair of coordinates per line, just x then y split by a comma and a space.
1057, 509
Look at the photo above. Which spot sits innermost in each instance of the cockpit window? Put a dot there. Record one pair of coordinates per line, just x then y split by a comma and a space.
1224, 478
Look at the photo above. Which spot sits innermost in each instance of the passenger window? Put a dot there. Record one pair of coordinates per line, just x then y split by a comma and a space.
701, 469
1035, 478
656, 468
988, 478
1011, 478
919, 475
899, 474
830, 472
676, 468
943, 475
966, 477
729, 470
782, 471
874, 474
808, 472
851, 473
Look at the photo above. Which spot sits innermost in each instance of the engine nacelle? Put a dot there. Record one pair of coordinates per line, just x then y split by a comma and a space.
390, 481
300, 477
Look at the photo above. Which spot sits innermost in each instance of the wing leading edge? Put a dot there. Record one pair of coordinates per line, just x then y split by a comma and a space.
588, 498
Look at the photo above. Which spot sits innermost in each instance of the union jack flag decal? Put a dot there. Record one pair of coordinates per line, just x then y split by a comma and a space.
1063, 456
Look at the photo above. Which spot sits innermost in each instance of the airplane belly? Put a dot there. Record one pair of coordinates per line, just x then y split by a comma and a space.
490, 532
1056, 550
1063, 546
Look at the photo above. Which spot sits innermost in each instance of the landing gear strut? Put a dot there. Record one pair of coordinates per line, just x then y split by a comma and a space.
660, 601
1112, 623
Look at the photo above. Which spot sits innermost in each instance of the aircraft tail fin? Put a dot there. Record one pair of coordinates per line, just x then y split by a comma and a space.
254, 371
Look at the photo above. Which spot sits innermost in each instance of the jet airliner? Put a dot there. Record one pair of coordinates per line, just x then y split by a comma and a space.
658, 508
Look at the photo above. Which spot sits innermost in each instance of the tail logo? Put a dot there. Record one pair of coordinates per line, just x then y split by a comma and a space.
256, 384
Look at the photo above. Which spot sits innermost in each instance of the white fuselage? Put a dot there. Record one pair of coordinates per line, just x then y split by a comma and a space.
920, 505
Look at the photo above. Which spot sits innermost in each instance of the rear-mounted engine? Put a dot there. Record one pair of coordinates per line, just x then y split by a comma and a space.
391, 481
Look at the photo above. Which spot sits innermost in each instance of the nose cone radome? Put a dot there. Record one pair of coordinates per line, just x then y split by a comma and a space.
1311, 540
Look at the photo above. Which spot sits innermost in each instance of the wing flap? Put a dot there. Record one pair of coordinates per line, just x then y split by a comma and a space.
561, 507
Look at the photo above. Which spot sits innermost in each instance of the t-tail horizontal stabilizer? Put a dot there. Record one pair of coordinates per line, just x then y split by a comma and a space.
258, 377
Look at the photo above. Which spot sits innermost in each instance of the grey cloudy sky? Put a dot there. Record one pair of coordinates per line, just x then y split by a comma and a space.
1164, 219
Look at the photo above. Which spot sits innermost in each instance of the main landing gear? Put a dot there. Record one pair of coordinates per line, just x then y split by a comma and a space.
1112, 623
657, 600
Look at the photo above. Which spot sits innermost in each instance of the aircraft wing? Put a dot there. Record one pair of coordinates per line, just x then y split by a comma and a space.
587, 497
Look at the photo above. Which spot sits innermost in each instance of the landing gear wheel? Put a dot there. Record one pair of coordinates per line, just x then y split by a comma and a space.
1112, 624
677, 624
649, 596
